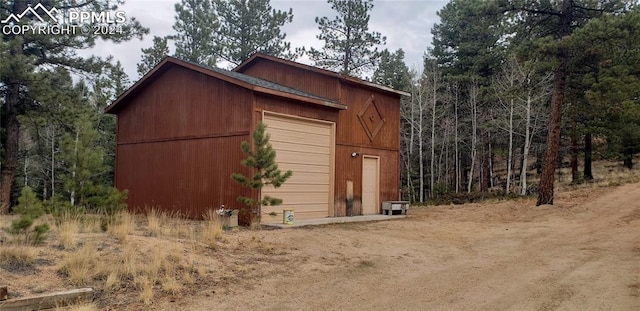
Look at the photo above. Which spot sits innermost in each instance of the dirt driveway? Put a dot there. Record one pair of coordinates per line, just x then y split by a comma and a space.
581, 254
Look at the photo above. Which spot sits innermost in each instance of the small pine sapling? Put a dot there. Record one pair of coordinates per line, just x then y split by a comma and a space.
29, 208
262, 159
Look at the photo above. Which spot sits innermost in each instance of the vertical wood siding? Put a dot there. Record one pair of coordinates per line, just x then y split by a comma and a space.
179, 142
350, 168
351, 135
189, 175
297, 78
183, 103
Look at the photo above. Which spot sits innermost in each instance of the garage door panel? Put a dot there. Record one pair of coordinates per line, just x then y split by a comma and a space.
304, 147
284, 158
302, 178
292, 146
298, 137
297, 198
298, 125
302, 168
299, 188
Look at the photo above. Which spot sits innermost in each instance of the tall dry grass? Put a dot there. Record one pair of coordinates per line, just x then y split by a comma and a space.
82, 266
156, 220
122, 226
17, 257
212, 229
68, 228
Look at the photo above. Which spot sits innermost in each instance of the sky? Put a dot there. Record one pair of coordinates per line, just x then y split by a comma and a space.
406, 24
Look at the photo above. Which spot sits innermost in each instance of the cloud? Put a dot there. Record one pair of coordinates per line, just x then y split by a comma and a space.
406, 24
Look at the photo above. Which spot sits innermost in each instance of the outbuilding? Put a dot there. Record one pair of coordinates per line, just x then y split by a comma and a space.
179, 130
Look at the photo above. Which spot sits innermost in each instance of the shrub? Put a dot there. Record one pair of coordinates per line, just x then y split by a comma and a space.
29, 208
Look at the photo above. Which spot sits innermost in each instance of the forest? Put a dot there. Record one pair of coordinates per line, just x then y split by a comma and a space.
510, 91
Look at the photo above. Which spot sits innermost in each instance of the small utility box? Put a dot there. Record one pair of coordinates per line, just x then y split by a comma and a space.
389, 207
228, 218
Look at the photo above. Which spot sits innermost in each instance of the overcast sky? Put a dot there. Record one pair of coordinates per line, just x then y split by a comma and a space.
406, 24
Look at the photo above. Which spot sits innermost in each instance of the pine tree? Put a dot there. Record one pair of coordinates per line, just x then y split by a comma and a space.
25, 58
153, 55
392, 71
195, 27
262, 159
349, 46
249, 26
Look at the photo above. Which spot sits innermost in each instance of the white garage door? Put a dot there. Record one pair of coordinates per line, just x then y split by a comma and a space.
303, 146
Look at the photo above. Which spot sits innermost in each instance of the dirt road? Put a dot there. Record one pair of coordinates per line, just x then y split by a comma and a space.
581, 254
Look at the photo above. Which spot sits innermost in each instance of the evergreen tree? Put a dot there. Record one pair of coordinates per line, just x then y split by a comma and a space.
262, 159
153, 55
29, 208
195, 27
392, 71
349, 47
25, 58
249, 26
550, 25
611, 44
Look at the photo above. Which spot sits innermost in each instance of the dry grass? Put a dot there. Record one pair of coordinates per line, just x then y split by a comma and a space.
212, 230
605, 173
122, 226
146, 289
91, 223
85, 307
16, 257
68, 230
170, 285
82, 266
155, 222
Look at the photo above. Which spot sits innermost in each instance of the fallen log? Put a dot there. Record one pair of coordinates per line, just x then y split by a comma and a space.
48, 301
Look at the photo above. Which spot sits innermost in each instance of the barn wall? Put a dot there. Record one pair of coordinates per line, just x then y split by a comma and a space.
350, 168
351, 135
181, 103
294, 77
351, 130
179, 141
291, 107
189, 175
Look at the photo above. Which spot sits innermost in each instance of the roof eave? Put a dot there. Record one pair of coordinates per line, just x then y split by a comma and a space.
354, 80
168, 59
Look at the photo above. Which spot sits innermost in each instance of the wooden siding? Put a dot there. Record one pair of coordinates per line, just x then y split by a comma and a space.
297, 78
351, 131
350, 168
294, 108
179, 141
189, 175
182, 103
351, 135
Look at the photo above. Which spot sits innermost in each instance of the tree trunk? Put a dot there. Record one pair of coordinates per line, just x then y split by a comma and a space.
525, 148
433, 133
474, 137
588, 174
510, 156
457, 156
420, 151
575, 178
10, 164
547, 178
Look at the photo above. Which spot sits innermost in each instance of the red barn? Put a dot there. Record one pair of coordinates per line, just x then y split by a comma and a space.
180, 127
